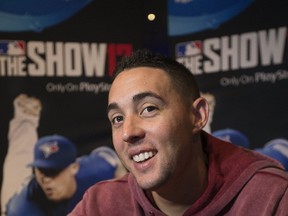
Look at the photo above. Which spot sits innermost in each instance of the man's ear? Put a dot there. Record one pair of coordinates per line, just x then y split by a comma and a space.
74, 168
201, 113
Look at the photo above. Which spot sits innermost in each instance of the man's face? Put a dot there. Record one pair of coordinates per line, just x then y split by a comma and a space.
151, 126
57, 185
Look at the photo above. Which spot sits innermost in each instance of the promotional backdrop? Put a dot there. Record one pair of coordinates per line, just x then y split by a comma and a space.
63, 53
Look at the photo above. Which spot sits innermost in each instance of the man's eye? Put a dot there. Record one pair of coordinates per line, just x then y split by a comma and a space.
117, 119
149, 109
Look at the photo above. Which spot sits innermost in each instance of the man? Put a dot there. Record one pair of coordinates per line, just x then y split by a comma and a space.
60, 178
176, 168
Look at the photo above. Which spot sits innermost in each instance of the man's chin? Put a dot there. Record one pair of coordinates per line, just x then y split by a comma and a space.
148, 184
53, 198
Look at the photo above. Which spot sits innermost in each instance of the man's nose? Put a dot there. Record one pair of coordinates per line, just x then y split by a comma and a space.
132, 129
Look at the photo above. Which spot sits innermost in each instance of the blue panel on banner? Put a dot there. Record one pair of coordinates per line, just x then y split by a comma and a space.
35, 15
187, 16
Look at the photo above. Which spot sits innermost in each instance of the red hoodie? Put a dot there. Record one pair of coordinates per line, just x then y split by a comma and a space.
240, 182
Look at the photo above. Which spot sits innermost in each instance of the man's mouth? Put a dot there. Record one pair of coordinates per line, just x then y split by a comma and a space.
143, 156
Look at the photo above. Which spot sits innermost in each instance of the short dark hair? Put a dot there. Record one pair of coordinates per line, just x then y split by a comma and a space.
182, 79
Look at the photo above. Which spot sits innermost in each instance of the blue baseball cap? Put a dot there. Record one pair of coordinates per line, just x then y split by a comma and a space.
54, 152
276, 149
234, 136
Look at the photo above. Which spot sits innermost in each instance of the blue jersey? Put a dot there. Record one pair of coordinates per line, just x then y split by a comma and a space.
31, 200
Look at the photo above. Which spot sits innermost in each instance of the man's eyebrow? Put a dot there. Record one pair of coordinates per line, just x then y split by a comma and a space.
111, 106
136, 98
143, 95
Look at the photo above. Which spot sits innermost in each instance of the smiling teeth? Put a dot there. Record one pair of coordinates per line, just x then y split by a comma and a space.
142, 156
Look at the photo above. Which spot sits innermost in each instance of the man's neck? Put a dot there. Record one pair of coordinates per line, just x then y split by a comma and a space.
176, 197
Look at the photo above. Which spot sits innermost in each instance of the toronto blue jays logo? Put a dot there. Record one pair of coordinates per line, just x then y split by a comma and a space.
49, 149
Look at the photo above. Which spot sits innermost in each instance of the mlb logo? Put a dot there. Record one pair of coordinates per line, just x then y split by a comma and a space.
9, 47
188, 48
